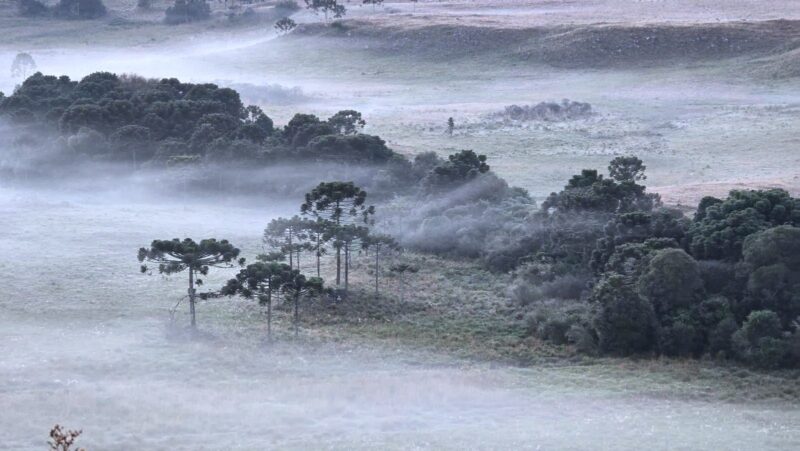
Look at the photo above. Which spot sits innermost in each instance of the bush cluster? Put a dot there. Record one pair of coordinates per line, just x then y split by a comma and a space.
64, 9
725, 283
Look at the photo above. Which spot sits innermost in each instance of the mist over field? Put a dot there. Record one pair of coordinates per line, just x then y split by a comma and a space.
489, 326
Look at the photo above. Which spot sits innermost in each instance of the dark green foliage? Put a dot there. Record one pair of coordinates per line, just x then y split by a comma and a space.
256, 281
425, 162
638, 227
285, 25
671, 282
178, 117
79, 9
259, 280
459, 168
185, 120
680, 338
631, 259
287, 5
184, 11
32, 8
720, 277
302, 128
625, 322
723, 226
560, 323
773, 260
774, 287
760, 340
778, 245
627, 169
379, 244
538, 282
327, 7
338, 208
173, 256
705, 202
347, 122
288, 237
132, 142
336, 202
364, 149
720, 338
712, 311
372, 2
295, 285
590, 191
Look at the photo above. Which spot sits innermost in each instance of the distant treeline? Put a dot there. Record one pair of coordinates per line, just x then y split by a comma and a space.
129, 118
601, 265
149, 123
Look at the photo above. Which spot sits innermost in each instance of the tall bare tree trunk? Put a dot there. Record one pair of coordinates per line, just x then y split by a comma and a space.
377, 256
338, 247
338, 265
291, 252
318, 256
191, 297
269, 314
346, 266
296, 311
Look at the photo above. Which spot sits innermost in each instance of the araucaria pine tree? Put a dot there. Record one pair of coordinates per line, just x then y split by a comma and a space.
338, 204
259, 280
174, 256
295, 285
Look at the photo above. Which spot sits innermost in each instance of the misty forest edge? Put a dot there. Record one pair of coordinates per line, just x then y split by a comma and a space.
601, 266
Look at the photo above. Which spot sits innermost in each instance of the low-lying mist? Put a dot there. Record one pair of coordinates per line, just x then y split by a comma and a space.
88, 343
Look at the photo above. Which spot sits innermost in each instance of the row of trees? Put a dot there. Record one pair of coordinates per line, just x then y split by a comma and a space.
258, 280
335, 216
128, 118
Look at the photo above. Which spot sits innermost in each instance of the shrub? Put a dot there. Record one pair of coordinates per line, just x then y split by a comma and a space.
625, 322
722, 227
32, 8
287, 5
679, 339
760, 341
546, 111
583, 338
459, 168
184, 11
671, 281
720, 339
778, 245
553, 321
567, 286
712, 311
719, 277
80, 9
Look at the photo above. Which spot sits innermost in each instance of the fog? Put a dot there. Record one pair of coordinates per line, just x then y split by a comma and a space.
88, 342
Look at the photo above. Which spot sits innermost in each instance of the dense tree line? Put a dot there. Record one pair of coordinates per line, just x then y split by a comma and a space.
126, 118
64, 9
725, 283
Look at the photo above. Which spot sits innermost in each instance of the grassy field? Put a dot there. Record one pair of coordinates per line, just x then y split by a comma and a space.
451, 365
